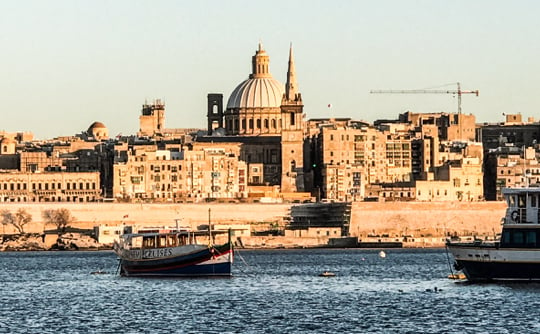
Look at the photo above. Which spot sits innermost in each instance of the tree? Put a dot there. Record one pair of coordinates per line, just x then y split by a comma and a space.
60, 218
7, 219
22, 217
18, 220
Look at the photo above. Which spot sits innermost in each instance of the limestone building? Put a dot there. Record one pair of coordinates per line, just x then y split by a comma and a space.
152, 119
198, 172
60, 170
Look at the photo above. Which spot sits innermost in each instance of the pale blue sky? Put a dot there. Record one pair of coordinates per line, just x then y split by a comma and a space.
65, 63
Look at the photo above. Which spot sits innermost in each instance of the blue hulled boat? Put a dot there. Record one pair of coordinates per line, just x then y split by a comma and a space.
172, 252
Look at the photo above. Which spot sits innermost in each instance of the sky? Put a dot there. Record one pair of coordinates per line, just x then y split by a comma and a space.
67, 63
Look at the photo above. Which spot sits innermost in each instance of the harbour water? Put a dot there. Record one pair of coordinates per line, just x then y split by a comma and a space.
272, 291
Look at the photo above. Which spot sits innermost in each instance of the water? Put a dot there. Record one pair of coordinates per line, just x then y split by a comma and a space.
276, 291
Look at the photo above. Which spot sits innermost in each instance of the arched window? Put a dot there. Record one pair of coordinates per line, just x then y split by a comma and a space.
244, 124
251, 124
258, 124
293, 166
266, 124
273, 124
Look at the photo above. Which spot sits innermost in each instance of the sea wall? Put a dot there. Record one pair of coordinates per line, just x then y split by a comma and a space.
426, 218
368, 220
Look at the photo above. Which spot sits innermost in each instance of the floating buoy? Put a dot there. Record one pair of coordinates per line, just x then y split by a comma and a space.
382, 254
98, 272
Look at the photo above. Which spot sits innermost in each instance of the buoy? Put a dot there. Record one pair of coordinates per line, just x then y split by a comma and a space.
99, 272
382, 254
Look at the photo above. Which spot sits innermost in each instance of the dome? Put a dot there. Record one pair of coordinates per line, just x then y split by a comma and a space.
257, 93
96, 125
7, 140
7, 146
98, 130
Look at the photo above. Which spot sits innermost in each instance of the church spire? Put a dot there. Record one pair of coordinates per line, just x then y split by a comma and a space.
290, 87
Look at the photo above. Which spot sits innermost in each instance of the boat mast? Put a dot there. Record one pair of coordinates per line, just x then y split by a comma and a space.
209, 228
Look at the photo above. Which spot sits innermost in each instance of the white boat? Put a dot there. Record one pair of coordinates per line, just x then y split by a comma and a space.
516, 255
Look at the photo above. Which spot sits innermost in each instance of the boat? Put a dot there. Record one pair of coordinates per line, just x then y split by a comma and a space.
515, 255
458, 276
327, 274
173, 252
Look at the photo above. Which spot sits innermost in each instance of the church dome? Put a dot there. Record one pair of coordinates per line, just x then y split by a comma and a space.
261, 90
98, 130
257, 93
7, 146
7, 140
96, 125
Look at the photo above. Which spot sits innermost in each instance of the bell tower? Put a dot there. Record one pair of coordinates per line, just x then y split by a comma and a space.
215, 112
292, 133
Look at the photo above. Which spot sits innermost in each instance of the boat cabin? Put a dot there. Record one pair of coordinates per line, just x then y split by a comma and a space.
523, 204
159, 239
521, 228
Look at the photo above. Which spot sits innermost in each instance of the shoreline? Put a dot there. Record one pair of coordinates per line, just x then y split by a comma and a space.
84, 242
414, 224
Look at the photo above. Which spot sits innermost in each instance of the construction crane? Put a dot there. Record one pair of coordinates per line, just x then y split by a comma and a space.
457, 92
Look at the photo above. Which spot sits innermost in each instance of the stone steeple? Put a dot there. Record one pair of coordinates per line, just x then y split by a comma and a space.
291, 90
292, 134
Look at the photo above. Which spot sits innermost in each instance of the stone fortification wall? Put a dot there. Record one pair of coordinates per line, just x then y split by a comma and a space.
393, 218
427, 218
89, 215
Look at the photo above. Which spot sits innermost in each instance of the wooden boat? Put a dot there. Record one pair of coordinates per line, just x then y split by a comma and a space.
516, 255
172, 252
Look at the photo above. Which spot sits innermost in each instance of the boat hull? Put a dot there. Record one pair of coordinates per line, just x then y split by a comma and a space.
208, 261
485, 263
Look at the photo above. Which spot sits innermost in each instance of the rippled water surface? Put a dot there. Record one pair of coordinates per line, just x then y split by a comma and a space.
276, 291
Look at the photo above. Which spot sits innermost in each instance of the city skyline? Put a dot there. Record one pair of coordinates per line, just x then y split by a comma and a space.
67, 64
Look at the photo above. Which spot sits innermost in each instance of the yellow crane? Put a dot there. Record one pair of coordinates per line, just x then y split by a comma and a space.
454, 92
